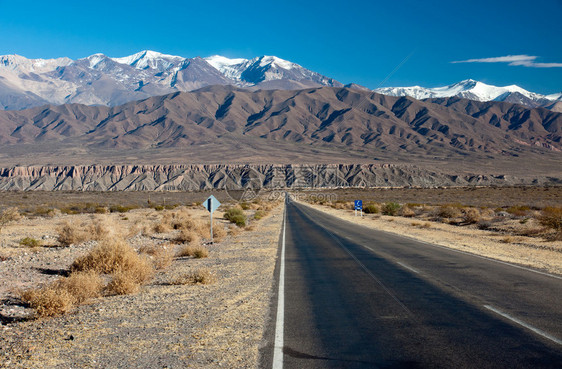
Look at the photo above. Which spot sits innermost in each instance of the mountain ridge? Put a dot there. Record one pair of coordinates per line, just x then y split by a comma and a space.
102, 80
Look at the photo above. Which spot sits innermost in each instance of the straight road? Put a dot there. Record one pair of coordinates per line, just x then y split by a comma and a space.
353, 297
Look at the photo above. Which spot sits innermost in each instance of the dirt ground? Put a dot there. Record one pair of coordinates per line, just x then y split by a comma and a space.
163, 326
526, 251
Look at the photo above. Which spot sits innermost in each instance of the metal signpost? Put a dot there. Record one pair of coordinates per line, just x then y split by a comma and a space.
358, 206
211, 204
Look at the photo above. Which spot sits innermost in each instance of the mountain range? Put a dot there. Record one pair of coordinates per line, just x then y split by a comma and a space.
102, 80
226, 124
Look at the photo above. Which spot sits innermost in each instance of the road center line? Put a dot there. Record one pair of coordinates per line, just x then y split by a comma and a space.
408, 267
280, 321
523, 324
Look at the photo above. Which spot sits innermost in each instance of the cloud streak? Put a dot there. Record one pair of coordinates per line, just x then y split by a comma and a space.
514, 60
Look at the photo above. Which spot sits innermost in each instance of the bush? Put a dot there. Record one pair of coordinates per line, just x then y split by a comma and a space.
81, 285
197, 252
371, 209
471, 215
69, 234
236, 216
111, 256
30, 242
551, 217
49, 300
449, 211
188, 236
405, 211
390, 208
203, 276
259, 214
122, 283
160, 255
9, 215
120, 208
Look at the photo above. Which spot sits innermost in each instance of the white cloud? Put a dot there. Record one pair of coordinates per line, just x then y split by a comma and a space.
521, 60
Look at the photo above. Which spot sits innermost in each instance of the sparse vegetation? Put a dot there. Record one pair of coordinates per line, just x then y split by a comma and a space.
48, 301
197, 252
235, 215
371, 208
202, 276
9, 215
551, 217
160, 255
390, 208
30, 242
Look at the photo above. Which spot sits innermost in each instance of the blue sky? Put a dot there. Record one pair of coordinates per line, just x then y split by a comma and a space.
351, 41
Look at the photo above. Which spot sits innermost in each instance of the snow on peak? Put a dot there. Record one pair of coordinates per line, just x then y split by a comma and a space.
149, 59
469, 88
273, 60
219, 61
20, 63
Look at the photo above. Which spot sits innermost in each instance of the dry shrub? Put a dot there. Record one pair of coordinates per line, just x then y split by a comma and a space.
70, 233
162, 227
448, 211
471, 215
219, 232
9, 215
160, 255
196, 252
188, 236
99, 229
202, 276
426, 225
49, 300
81, 285
112, 255
406, 211
507, 239
551, 217
122, 283
371, 208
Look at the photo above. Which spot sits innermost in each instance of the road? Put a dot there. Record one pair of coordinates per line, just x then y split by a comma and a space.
353, 297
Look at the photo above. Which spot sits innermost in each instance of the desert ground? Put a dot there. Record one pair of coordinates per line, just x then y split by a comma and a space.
193, 310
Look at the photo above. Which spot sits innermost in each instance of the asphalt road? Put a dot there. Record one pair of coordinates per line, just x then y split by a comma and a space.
354, 297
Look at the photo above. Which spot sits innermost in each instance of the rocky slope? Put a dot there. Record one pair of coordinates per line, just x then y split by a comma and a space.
237, 177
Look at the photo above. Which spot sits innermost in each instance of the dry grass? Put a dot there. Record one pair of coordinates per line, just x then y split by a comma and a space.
197, 252
70, 233
81, 285
406, 211
9, 215
202, 276
49, 300
122, 283
160, 255
111, 256
471, 215
188, 236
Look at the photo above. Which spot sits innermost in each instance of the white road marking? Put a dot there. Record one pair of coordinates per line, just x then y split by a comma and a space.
408, 267
280, 321
523, 324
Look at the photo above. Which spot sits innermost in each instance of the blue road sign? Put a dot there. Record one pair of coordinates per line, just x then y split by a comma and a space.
211, 204
358, 204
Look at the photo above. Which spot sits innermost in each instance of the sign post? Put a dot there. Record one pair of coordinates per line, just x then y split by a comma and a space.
211, 204
358, 205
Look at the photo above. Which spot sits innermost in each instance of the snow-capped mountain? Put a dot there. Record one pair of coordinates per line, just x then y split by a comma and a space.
102, 80
475, 90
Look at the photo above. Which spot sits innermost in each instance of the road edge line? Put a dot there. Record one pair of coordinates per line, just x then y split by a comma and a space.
523, 324
280, 319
